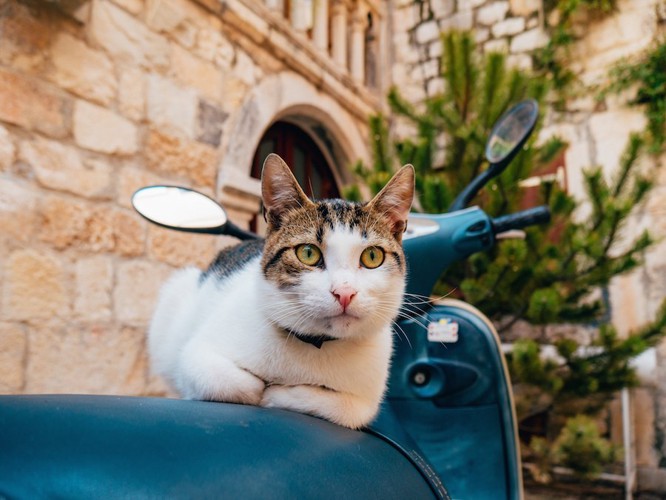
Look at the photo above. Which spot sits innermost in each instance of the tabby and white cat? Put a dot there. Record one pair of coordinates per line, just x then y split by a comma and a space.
301, 321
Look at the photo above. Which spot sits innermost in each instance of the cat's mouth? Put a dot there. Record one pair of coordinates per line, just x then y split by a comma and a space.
343, 315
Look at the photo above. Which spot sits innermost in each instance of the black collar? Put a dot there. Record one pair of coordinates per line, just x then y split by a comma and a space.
315, 340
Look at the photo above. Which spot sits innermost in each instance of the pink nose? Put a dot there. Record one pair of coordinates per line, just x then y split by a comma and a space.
344, 294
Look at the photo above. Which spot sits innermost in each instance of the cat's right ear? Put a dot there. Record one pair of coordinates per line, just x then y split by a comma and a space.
280, 190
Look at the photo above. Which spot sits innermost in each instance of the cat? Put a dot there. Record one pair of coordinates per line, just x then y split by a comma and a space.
300, 321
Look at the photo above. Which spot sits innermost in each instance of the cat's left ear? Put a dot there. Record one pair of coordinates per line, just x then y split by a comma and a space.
395, 200
280, 190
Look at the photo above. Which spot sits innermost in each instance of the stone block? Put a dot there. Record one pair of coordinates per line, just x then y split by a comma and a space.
129, 232
164, 15
131, 6
157, 387
132, 94
181, 249
26, 36
462, 20
172, 16
169, 154
17, 210
102, 130
35, 287
171, 106
65, 223
529, 41
492, 13
94, 282
441, 8
210, 122
520, 61
436, 86
409, 53
524, 7
132, 178
136, 288
426, 32
109, 360
191, 71
60, 167
245, 69
82, 70
31, 104
235, 92
405, 19
435, 50
7, 150
468, 5
481, 35
610, 131
13, 347
496, 45
126, 38
508, 27
430, 69
212, 46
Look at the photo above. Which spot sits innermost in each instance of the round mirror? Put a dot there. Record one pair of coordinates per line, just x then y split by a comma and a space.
511, 131
179, 208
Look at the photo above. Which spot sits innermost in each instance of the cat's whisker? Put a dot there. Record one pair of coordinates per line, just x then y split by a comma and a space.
427, 299
399, 329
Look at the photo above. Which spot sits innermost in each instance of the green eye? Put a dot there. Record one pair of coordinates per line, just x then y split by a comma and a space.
372, 257
309, 255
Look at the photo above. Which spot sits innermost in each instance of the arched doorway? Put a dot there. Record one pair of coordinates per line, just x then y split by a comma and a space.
303, 156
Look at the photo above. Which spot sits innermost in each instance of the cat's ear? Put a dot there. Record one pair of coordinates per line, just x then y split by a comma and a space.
395, 200
280, 190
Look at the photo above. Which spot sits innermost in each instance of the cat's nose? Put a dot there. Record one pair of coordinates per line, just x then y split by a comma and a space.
344, 294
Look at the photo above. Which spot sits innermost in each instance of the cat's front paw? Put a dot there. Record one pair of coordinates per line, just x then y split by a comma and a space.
275, 396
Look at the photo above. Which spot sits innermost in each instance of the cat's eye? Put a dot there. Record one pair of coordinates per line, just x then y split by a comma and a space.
372, 257
309, 255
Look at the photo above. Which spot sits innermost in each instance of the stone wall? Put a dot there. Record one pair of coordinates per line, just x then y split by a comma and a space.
101, 97
513, 26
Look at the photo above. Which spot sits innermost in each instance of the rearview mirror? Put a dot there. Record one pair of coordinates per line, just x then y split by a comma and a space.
180, 208
511, 131
505, 141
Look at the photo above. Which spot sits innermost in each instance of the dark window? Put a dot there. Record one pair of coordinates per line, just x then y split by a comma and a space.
302, 155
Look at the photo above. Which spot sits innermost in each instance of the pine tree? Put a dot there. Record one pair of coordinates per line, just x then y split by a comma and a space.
552, 274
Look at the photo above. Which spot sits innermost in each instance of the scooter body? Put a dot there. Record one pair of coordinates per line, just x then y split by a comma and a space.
449, 386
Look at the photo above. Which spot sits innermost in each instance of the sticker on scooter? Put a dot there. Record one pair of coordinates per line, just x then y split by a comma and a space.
444, 330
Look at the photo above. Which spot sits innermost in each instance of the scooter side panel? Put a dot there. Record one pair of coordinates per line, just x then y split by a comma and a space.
454, 398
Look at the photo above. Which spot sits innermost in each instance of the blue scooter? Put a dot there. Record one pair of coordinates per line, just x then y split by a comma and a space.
447, 428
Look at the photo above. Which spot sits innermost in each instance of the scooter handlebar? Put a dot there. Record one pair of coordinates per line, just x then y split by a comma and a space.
524, 218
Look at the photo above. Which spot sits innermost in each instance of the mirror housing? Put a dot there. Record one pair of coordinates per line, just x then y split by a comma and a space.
506, 139
184, 209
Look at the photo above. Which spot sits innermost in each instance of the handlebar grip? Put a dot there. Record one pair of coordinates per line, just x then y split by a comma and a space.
519, 220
